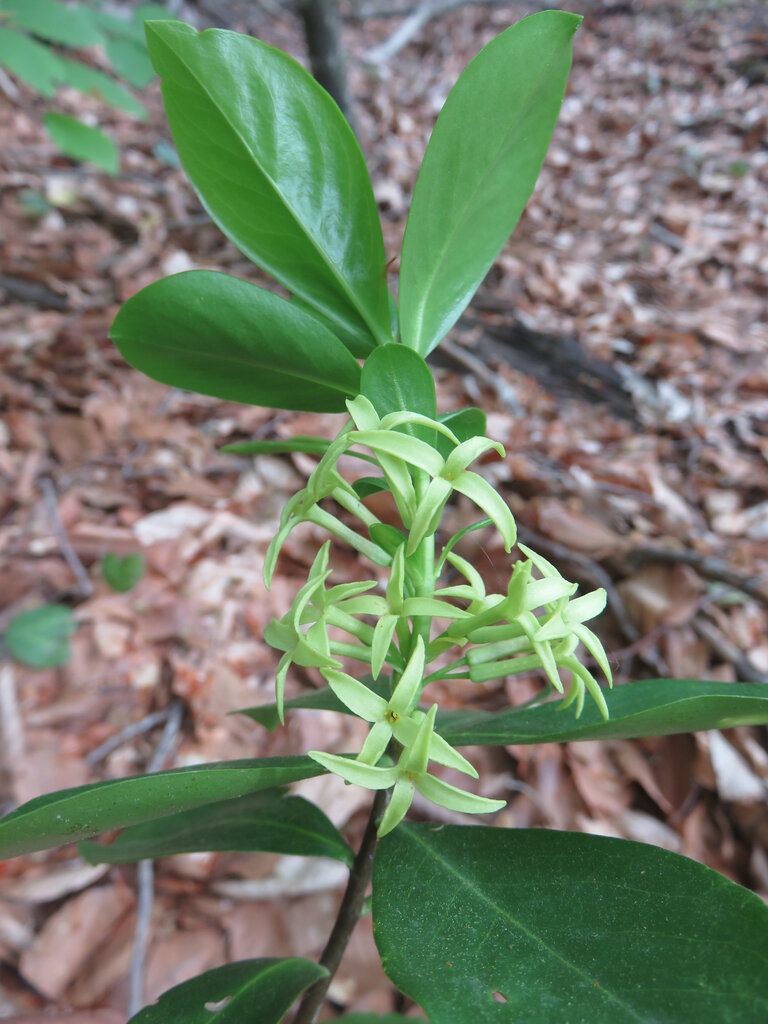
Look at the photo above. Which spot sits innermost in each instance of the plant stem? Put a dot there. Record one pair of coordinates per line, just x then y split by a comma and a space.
349, 913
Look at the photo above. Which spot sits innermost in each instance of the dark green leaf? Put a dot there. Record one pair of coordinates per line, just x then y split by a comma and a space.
465, 423
280, 172
73, 814
131, 61
122, 574
81, 142
648, 707
481, 164
40, 637
365, 486
387, 537
299, 443
94, 83
30, 61
212, 333
70, 24
318, 700
268, 821
396, 379
261, 991
483, 925
374, 1018
123, 28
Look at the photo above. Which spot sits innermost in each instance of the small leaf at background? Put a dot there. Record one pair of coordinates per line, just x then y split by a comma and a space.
73, 814
95, 83
40, 637
261, 991
214, 334
131, 61
122, 574
70, 24
281, 172
30, 61
482, 925
648, 707
480, 167
365, 486
268, 821
81, 142
299, 443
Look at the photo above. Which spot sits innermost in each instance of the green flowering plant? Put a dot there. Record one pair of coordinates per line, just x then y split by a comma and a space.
475, 923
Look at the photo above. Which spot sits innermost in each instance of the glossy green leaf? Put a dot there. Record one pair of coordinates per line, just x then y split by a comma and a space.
73, 814
131, 61
81, 142
396, 379
280, 172
648, 707
70, 24
250, 990
95, 83
40, 637
323, 699
212, 333
387, 537
299, 443
29, 60
122, 574
365, 486
268, 821
483, 925
480, 167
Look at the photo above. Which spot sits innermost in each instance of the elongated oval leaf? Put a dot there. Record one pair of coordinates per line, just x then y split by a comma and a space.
81, 142
648, 707
131, 61
278, 168
250, 990
483, 925
212, 333
72, 814
268, 821
70, 24
29, 60
299, 443
479, 169
95, 83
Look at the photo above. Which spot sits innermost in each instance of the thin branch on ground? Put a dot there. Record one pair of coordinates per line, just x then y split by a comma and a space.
11, 723
145, 875
504, 391
729, 652
712, 568
349, 914
84, 584
128, 733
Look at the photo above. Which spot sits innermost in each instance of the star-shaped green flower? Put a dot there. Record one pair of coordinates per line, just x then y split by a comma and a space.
407, 776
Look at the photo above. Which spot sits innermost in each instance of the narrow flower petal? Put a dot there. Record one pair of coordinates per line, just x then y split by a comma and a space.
545, 568
399, 419
282, 672
400, 446
356, 696
491, 502
396, 584
416, 758
469, 572
589, 606
467, 452
365, 775
596, 649
547, 591
426, 518
432, 607
402, 797
589, 681
382, 639
376, 743
363, 414
455, 799
406, 693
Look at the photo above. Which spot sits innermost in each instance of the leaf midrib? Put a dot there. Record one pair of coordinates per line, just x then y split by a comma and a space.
502, 912
359, 308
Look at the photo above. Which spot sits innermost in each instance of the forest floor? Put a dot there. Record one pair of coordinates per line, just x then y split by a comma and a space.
637, 455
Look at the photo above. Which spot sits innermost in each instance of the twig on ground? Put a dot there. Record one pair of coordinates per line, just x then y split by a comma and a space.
348, 916
84, 584
145, 875
128, 733
729, 652
712, 568
11, 725
504, 391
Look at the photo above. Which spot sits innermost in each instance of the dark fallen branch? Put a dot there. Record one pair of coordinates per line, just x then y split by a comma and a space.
752, 585
35, 293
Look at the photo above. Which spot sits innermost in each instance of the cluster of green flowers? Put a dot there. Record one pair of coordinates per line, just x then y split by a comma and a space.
537, 624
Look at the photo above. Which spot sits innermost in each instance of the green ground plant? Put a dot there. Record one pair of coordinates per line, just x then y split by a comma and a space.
475, 923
